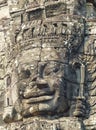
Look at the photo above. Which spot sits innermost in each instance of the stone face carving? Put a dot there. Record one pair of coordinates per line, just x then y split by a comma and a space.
45, 89
48, 78
43, 79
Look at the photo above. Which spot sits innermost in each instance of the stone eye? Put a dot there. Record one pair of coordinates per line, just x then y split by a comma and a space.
51, 70
55, 69
25, 73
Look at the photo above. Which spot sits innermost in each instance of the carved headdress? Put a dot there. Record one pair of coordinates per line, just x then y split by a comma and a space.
47, 24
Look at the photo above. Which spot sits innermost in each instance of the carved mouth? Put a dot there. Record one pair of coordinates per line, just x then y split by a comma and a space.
38, 99
38, 93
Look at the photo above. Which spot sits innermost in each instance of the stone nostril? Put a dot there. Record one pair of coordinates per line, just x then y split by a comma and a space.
41, 83
34, 79
42, 86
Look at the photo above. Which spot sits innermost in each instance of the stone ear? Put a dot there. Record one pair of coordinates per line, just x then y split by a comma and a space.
79, 69
79, 103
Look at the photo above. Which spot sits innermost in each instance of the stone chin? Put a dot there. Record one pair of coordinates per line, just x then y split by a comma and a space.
51, 108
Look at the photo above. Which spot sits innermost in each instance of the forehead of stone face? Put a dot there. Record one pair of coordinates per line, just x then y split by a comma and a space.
30, 55
38, 54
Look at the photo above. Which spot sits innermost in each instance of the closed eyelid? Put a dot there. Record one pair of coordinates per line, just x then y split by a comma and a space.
51, 69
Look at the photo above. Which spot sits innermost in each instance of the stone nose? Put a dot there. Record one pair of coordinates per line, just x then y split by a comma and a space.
39, 75
41, 83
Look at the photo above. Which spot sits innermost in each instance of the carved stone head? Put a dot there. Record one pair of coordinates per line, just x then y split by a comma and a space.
43, 80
